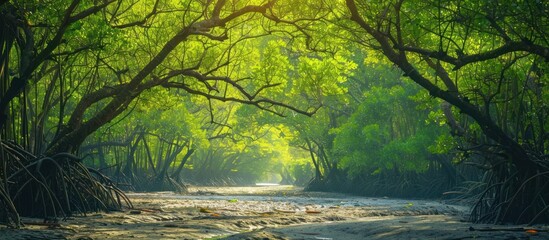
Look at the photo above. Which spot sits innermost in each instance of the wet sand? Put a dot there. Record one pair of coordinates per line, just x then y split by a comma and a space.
273, 212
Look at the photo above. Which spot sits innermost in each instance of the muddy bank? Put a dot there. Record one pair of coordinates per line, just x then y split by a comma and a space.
272, 212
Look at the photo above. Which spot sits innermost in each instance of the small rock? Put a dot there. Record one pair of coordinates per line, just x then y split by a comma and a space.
135, 212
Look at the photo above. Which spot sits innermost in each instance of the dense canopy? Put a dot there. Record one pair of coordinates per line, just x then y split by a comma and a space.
403, 98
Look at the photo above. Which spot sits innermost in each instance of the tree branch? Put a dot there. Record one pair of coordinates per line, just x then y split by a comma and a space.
258, 103
141, 22
460, 61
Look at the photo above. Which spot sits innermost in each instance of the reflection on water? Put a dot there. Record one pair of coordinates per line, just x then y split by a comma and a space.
267, 184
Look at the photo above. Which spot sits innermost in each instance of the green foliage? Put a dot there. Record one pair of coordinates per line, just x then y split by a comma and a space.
443, 144
385, 133
152, 89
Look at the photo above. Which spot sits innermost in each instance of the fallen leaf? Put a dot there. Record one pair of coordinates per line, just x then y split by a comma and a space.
205, 210
312, 211
532, 231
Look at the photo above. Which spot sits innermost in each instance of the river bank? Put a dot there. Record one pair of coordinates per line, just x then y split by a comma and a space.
273, 212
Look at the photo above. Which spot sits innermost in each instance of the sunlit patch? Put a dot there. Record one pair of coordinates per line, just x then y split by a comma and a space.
267, 184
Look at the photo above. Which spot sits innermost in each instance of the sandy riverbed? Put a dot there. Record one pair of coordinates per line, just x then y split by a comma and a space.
273, 212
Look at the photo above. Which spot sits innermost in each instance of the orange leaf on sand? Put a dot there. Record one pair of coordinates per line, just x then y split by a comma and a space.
532, 231
312, 211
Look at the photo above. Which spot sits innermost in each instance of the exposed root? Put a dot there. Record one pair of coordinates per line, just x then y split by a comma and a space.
53, 187
142, 182
517, 198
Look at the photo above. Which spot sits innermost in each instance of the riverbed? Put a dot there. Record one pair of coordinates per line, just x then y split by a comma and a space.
274, 212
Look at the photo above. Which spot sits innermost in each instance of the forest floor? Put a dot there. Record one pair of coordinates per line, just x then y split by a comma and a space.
273, 212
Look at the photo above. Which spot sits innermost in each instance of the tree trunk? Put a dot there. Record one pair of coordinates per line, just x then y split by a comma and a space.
177, 173
318, 173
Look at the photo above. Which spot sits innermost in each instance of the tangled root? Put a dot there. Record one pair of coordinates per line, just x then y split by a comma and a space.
52, 187
519, 197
